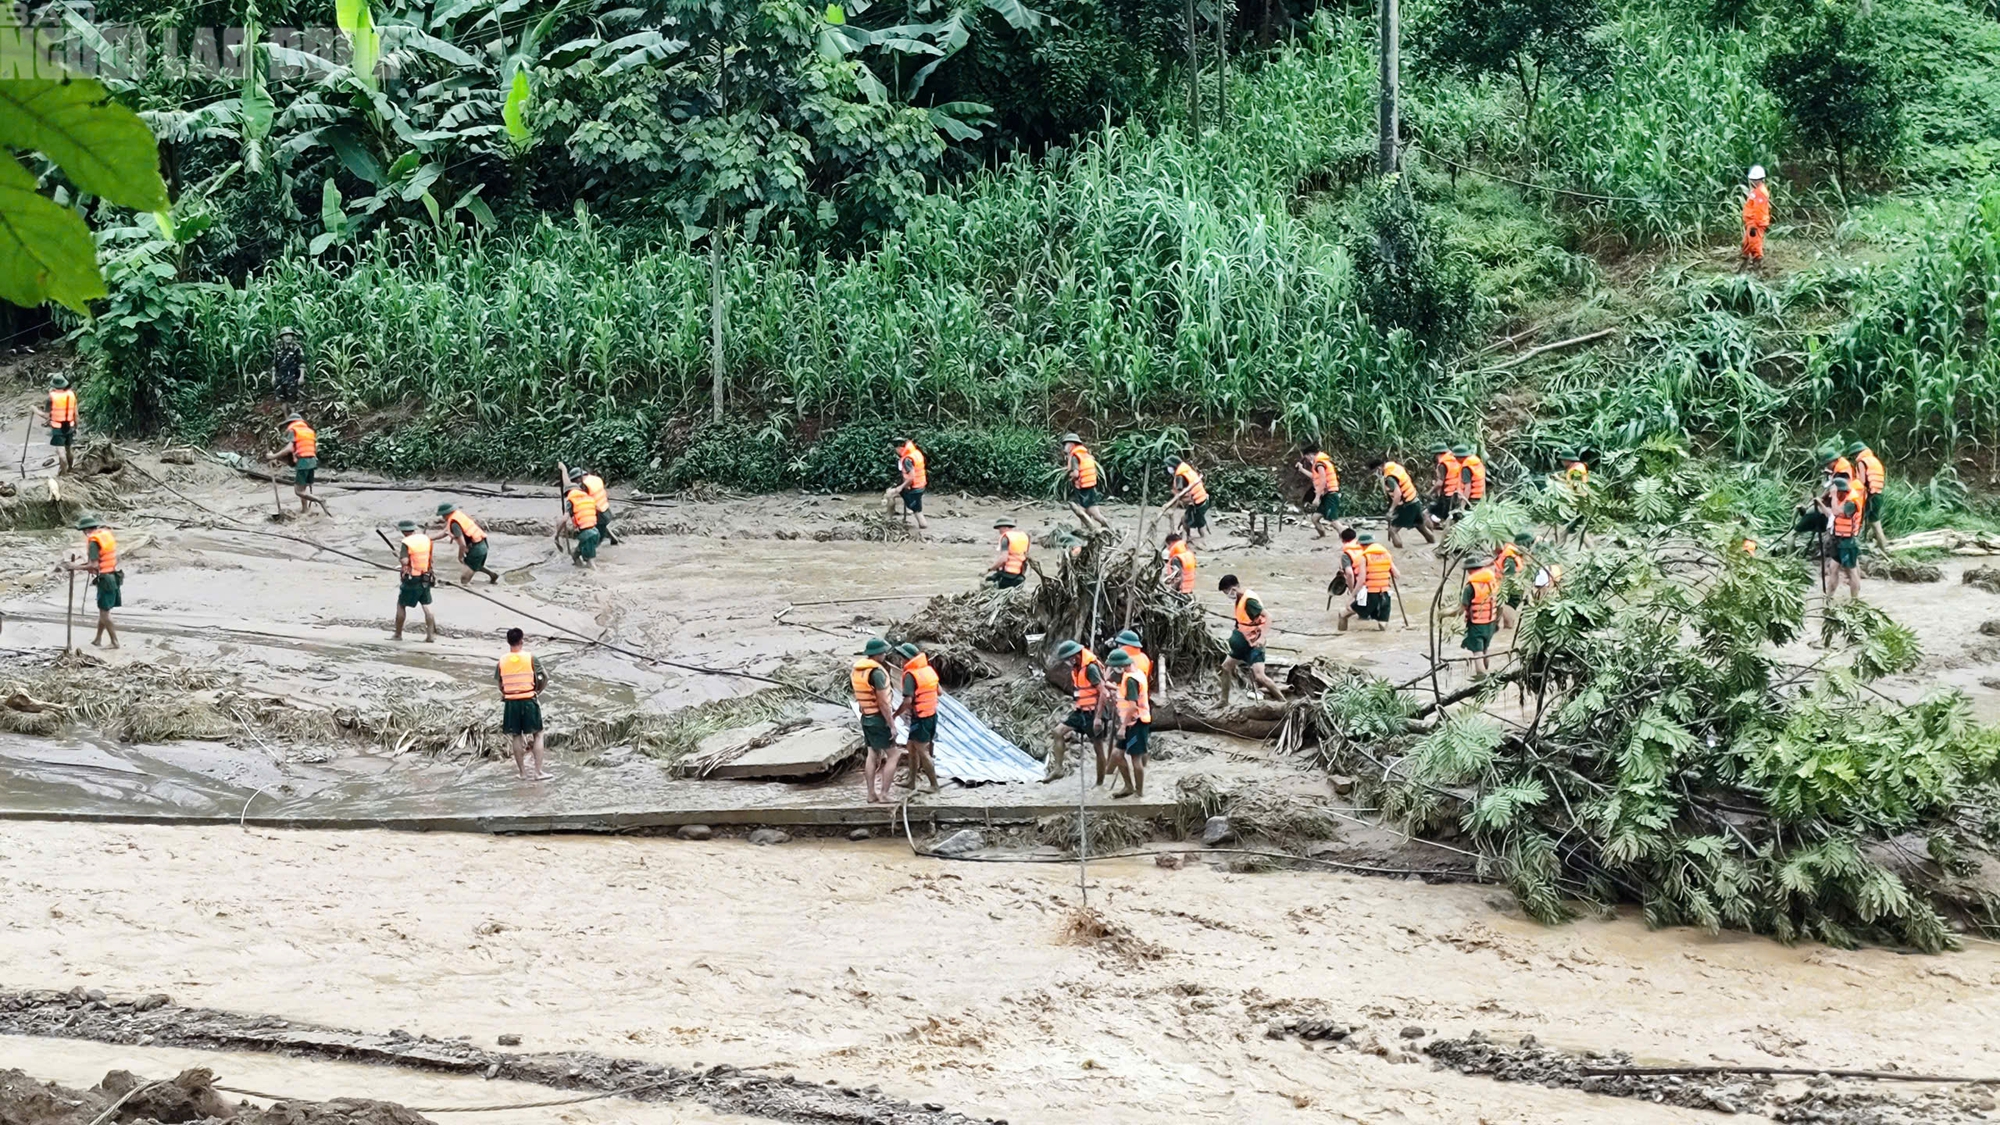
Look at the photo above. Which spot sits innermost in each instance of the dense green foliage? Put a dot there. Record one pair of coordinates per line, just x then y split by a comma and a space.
1835, 88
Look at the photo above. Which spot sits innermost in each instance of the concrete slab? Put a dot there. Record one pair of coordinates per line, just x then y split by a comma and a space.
811, 752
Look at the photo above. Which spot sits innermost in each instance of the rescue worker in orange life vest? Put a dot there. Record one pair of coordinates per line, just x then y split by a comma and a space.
1317, 466
1350, 577
61, 418
869, 679
1512, 562
301, 452
1178, 573
1471, 474
579, 521
414, 559
1479, 603
1085, 478
912, 478
1246, 641
470, 539
521, 682
1133, 700
1756, 217
1869, 478
600, 499
1189, 496
1010, 566
1088, 700
920, 703
1845, 508
100, 561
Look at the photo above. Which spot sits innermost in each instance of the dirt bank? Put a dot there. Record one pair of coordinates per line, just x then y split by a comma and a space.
953, 985
189, 1096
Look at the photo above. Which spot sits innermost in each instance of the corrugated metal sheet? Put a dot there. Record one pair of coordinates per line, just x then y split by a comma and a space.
969, 750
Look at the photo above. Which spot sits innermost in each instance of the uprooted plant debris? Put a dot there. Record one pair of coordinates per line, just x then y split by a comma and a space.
157, 1022
1900, 568
189, 1097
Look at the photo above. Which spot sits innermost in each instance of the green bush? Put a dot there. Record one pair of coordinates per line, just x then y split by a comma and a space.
733, 455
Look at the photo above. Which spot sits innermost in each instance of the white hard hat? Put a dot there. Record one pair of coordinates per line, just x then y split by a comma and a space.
1756, 171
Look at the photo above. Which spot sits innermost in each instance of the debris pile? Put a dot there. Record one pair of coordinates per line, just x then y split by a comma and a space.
188, 1097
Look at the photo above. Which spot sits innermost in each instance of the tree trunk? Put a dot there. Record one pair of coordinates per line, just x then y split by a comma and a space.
716, 307
1222, 12
1194, 74
1391, 50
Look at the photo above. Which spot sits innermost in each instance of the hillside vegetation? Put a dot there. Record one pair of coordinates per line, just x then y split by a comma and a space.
962, 265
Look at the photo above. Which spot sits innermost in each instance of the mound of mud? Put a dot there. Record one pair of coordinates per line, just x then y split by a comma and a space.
190, 1098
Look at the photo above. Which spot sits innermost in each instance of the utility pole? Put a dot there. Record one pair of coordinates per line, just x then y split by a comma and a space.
717, 300
1392, 34
1194, 74
1222, 11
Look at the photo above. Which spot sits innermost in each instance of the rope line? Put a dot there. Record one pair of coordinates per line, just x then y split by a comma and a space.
625, 1091
1680, 201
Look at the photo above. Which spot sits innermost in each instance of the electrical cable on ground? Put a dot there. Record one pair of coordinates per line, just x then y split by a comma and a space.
625, 1091
1680, 201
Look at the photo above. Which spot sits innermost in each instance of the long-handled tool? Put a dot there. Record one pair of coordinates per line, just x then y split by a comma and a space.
27, 435
69, 616
276, 502
1405, 610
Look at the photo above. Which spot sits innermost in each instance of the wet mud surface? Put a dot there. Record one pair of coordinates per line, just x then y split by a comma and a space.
156, 1020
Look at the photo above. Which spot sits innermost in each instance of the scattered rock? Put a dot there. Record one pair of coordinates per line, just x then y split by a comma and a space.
764, 837
150, 1001
965, 841
177, 457
695, 832
510, 1040
1217, 831
94, 994
1342, 785
1172, 861
1897, 568
1986, 578
1414, 1032
1990, 628
860, 834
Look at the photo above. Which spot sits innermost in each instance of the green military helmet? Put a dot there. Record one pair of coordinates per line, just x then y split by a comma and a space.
447, 508
88, 520
1856, 447
908, 651
1067, 649
1438, 448
1004, 521
1128, 637
1524, 539
58, 382
876, 646
1071, 439
1461, 450
1829, 455
1840, 481
1364, 539
1567, 453
406, 525
1472, 563
1119, 658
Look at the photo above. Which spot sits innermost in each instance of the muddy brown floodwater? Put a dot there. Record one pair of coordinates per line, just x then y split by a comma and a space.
946, 983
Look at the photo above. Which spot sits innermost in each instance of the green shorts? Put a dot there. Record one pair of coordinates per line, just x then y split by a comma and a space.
475, 555
1197, 515
1137, 737
586, 543
521, 716
1442, 506
1240, 650
303, 470
1478, 637
913, 500
923, 729
1408, 515
876, 734
1084, 497
1872, 513
64, 434
1329, 506
110, 591
1378, 607
413, 592
1846, 551
1005, 580
1082, 722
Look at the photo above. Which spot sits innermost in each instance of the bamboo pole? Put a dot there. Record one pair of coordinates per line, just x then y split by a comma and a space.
69, 617
27, 436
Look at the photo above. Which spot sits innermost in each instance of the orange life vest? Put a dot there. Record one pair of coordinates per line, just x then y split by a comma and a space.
419, 547
1138, 710
1083, 472
1379, 564
1483, 582
1140, 660
517, 676
1326, 477
1082, 690
1749, 545
1872, 472
1197, 492
466, 527
864, 692
1757, 207
1577, 473
1405, 490
1181, 555
1015, 543
62, 407
1846, 526
1507, 552
924, 702
1357, 562
1447, 469
1252, 630
1841, 467
107, 549
1475, 488
582, 509
600, 497
916, 476
305, 443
